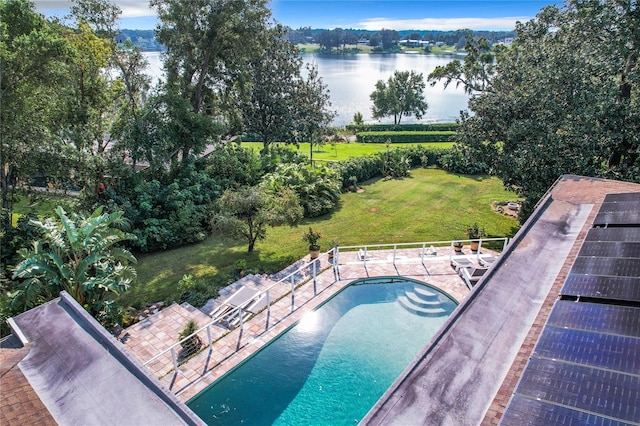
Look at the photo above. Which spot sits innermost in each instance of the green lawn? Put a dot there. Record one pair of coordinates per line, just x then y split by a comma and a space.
41, 202
344, 151
431, 205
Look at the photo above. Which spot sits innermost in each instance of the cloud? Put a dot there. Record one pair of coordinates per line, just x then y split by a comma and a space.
130, 8
443, 24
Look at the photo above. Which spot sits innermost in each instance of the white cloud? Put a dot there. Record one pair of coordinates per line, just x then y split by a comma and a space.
443, 24
130, 8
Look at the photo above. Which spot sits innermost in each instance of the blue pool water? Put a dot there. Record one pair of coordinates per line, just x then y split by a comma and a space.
333, 365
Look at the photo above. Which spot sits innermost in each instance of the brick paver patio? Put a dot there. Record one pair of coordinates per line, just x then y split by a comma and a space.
159, 332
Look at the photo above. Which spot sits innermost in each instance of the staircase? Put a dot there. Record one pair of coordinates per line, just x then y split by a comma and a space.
422, 301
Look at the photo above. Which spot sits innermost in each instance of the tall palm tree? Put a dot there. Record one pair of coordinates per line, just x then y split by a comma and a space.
77, 254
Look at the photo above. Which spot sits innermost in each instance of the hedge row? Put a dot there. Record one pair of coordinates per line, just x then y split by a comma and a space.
405, 137
403, 127
371, 166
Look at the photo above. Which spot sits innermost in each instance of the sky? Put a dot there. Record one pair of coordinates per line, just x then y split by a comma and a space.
358, 14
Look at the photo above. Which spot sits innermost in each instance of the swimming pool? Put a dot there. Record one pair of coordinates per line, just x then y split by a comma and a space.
334, 364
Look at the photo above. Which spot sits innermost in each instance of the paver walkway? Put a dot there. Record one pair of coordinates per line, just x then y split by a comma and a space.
230, 347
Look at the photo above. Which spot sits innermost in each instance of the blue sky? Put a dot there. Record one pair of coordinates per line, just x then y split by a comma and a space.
360, 14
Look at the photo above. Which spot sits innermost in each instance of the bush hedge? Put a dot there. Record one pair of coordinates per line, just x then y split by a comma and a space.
360, 169
435, 127
405, 136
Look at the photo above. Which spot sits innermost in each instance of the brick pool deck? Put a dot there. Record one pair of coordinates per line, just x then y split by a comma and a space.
230, 347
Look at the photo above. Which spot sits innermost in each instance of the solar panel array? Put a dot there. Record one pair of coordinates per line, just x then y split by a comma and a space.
585, 368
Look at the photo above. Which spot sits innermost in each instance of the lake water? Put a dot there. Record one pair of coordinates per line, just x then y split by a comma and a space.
350, 80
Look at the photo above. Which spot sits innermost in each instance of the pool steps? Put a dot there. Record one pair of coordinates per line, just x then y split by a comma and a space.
421, 301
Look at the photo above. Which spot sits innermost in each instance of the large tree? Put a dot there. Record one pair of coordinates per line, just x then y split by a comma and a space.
402, 94
32, 54
208, 44
564, 98
276, 101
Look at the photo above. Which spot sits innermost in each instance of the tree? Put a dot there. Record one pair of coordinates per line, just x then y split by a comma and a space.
563, 99
475, 72
403, 94
389, 38
79, 254
208, 44
32, 52
246, 213
278, 103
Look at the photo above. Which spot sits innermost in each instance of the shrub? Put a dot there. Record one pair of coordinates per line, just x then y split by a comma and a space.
404, 137
403, 127
459, 160
168, 212
317, 188
360, 169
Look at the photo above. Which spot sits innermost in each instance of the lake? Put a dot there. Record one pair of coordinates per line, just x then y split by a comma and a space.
350, 80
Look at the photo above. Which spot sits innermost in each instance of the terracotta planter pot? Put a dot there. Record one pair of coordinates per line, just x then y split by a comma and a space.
474, 245
314, 254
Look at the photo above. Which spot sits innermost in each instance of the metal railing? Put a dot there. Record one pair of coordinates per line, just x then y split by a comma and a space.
309, 272
422, 247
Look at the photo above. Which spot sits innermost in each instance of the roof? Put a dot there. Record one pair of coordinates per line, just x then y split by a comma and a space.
469, 372
72, 363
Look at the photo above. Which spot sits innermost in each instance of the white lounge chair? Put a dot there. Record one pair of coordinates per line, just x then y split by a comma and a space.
460, 262
472, 275
487, 260
226, 313
362, 255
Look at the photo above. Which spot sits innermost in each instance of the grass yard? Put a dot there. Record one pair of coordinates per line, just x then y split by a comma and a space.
344, 151
42, 203
431, 205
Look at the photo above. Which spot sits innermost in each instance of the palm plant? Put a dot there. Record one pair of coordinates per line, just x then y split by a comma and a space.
77, 254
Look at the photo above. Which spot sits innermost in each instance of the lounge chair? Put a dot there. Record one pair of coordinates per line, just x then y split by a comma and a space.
472, 275
487, 260
362, 255
461, 262
431, 251
226, 313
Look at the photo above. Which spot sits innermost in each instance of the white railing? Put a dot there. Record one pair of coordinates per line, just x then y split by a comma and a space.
422, 247
312, 268
240, 310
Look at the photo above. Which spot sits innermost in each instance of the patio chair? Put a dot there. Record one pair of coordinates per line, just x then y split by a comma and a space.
487, 260
461, 262
225, 313
362, 255
472, 275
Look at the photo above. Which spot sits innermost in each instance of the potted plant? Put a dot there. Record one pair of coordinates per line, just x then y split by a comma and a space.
193, 343
332, 245
312, 238
475, 233
457, 246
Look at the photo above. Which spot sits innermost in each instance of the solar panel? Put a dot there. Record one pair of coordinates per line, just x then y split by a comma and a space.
619, 288
610, 249
614, 234
609, 266
628, 196
620, 217
602, 318
531, 412
607, 351
602, 392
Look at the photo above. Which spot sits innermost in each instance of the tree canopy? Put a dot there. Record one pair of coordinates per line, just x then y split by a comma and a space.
403, 94
563, 98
